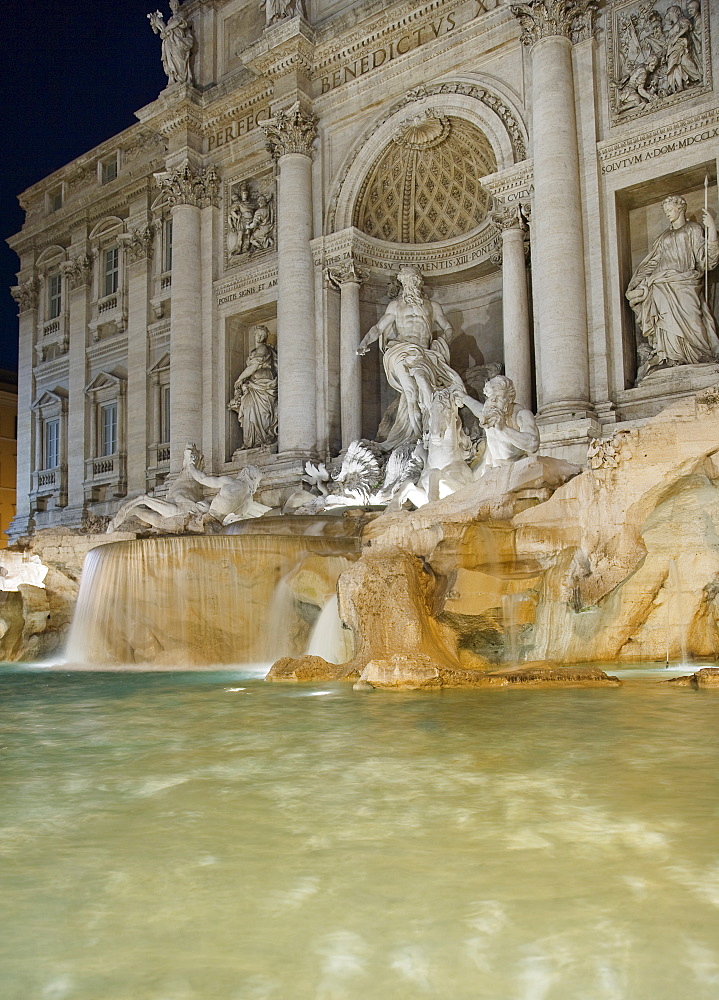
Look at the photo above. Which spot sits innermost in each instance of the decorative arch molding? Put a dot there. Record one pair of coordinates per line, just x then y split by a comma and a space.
111, 225
51, 256
478, 102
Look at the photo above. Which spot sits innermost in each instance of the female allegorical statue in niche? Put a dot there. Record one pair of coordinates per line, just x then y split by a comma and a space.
255, 398
666, 291
177, 42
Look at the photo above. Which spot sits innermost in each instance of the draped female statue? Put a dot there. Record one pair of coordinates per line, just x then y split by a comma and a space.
177, 43
255, 397
666, 291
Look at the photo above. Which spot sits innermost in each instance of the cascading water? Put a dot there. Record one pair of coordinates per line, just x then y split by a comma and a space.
202, 600
329, 638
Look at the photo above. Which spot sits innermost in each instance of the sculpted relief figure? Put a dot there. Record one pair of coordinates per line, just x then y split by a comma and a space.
177, 42
255, 397
277, 10
658, 55
416, 357
250, 222
666, 291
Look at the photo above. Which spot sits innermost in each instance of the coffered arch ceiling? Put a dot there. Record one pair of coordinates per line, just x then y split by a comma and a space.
424, 185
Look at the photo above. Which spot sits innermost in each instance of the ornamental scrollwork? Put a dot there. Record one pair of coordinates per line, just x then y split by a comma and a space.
186, 185
291, 131
26, 294
546, 18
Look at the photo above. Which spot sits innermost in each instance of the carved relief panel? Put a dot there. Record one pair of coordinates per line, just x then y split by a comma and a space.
249, 219
659, 54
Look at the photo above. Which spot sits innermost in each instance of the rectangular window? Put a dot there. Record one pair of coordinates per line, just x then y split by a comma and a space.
167, 258
55, 199
112, 270
165, 414
52, 443
108, 429
54, 295
109, 170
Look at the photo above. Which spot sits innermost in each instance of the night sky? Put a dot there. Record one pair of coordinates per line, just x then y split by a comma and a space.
72, 74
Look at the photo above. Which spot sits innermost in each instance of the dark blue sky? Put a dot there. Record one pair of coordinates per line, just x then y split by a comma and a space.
72, 75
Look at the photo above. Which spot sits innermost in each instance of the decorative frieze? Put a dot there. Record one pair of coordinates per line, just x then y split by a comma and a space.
26, 294
185, 185
290, 131
679, 134
658, 55
545, 18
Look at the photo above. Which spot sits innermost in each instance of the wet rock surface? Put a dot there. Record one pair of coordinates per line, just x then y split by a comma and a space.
707, 677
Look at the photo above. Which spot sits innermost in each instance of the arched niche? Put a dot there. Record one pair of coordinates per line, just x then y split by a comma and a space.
472, 104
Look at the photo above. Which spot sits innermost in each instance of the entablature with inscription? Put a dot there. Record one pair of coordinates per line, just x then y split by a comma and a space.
436, 259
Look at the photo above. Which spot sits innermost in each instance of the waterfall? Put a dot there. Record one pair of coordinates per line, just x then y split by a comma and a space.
329, 639
203, 599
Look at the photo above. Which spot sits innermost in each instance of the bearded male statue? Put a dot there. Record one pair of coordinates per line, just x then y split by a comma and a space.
416, 358
511, 430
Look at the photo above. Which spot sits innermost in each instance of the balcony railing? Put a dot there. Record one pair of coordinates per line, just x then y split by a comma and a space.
107, 303
52, 326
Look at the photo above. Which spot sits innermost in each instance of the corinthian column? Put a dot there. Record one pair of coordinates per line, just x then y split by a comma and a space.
559, 288
515, 303
290, 135
188, 190
349, 278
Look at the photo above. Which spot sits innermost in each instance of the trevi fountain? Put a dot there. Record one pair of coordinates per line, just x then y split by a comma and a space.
361, 613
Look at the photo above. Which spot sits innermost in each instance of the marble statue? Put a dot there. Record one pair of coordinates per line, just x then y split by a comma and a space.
262, 227
177, 42
255, 397
250, 222
510, 430
416, 361
185, 508
239, 221
233, 500
666, 291
277, 10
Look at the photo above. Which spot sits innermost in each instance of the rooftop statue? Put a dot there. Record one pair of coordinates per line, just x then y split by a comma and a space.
416, 358
666, 291
277, 10
185, 508
177, 42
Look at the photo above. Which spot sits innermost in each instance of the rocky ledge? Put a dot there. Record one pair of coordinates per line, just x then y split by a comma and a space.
707, 677
412, 673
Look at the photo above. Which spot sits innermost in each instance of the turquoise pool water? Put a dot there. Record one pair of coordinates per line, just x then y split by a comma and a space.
192, 836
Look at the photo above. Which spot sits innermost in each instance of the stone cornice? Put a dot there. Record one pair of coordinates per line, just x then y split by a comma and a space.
677, 133
110, 347
249, 281
382, 25
550, 18
452, 257
290, 131
285, 47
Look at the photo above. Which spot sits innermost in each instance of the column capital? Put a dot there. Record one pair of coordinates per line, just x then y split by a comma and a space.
26, 294
188, 185
347, 273
539, 19
290, 131
511, 217
140, 244
78, 271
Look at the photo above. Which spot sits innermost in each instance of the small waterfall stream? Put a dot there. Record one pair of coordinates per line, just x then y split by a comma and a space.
205, 599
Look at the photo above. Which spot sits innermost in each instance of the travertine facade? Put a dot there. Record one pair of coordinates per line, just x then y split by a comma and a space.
517, 154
